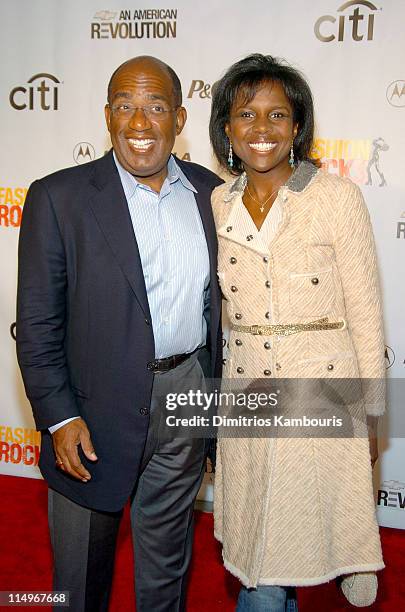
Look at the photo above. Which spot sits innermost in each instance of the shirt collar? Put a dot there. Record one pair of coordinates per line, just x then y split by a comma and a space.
130, 184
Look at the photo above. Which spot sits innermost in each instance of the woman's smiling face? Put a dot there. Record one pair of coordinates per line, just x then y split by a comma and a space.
262, 130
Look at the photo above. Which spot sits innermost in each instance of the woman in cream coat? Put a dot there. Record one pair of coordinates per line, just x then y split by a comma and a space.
298, 271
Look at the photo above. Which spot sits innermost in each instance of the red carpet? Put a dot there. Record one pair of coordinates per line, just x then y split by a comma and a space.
25, 560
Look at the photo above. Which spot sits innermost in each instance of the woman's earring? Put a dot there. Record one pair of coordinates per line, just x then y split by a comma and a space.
291, 161
230, 156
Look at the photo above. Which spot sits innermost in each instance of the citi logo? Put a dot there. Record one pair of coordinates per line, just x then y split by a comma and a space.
361, 23
396, 93
41, 92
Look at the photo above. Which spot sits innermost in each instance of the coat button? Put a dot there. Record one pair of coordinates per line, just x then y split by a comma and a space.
266, 259
267, 315
249, 238
330, 366
238, 315
147, 321
144, 411
240, 370
229, 228
278, 366
267, 283
315, 280
267, 372
238, 342
234, 289
224, 362
267, 345
233, 260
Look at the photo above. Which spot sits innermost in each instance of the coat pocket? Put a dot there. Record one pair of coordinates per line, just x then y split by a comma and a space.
311, 294
335, 377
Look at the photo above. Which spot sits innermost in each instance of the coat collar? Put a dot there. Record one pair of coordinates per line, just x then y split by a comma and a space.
297, 182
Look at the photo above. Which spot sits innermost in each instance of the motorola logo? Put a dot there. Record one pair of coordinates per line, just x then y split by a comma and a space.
396, 93
13, 327
354, 20
40, 92
389, 357
83, 153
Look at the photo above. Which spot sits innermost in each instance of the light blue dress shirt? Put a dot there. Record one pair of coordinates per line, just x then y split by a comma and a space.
174, 256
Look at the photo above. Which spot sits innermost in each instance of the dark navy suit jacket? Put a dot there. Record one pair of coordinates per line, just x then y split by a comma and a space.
84, 333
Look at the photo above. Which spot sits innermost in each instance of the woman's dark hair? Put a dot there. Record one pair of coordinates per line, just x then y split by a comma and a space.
247, 76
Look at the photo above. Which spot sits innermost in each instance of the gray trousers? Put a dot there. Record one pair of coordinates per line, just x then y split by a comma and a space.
83, 540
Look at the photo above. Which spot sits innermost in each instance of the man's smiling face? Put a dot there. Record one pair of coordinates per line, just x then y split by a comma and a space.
143, 119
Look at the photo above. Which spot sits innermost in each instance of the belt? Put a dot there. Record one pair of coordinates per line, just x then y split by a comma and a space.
289, 328
167, 363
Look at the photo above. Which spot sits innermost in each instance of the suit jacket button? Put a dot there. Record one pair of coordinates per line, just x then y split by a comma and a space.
147, 321
144, 411
330, 366
266, 259
238, 315
234, 289
315, 280
268, 284
240, 370
267, 345
267, 372
233, 260
238, 342
267, 315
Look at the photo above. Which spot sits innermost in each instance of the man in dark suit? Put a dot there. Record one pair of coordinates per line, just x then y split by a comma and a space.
118, 301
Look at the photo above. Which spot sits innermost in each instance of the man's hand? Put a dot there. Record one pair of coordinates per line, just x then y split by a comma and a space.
372, 424
66, 439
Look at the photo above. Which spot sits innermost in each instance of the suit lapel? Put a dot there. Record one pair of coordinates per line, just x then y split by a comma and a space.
110, 208
203, 198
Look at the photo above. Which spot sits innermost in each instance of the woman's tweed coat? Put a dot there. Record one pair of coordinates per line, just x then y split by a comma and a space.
300, 511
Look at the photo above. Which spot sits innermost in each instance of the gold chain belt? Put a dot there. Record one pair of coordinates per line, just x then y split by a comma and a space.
289, 328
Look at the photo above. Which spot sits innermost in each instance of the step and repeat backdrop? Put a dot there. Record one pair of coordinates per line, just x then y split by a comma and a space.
57, 58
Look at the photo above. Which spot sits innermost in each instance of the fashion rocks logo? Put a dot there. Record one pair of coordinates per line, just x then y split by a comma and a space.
137, 23
11, 205
360, 160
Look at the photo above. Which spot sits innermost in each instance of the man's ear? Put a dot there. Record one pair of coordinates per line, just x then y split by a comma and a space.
181, 118
107, 113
